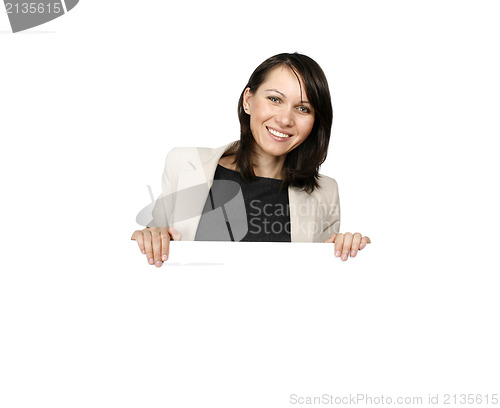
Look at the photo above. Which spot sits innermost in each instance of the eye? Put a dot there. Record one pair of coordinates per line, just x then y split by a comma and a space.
274, 99
304, 109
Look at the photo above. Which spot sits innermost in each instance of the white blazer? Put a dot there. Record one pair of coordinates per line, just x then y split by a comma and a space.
313, 217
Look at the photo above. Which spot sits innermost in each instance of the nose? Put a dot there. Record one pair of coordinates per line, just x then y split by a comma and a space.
285, 117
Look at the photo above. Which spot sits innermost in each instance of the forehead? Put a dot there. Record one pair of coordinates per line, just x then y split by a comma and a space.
283, 79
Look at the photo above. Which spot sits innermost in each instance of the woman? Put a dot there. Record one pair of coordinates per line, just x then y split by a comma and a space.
266, 186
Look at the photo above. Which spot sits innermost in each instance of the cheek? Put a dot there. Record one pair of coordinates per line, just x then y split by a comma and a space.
259, 110
259, 115
307, 127
253, 123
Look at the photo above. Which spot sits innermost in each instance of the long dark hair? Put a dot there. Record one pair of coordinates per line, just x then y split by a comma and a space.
302, 163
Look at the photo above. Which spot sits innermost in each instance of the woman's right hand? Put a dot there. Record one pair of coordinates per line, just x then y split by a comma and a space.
154, 243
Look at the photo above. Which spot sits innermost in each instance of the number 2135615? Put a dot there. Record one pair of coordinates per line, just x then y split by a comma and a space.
33, 8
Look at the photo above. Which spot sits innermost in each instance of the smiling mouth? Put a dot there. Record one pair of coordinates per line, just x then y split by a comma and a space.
278, 134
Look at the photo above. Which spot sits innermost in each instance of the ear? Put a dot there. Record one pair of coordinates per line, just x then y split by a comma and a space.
247, 100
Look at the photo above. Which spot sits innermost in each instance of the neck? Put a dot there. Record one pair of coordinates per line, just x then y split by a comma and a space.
268, 166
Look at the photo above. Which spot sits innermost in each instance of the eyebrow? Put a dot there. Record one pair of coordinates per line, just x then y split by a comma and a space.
284, 96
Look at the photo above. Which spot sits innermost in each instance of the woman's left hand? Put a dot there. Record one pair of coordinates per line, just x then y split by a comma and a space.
348, 243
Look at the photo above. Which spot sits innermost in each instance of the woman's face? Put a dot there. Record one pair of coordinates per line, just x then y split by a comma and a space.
281, 118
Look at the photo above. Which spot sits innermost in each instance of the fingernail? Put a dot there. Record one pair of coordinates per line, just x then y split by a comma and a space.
353, 253
164, 258
344, 257
158, 263
337, 253
143, 251
151, 261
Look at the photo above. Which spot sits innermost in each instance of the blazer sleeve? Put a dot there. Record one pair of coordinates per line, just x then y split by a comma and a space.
169, 172
163, 209
330, 202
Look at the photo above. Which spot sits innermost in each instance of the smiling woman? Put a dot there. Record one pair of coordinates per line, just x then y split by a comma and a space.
278, 113
266, 186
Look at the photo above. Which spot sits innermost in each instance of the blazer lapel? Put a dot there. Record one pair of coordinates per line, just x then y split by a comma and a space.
193, 185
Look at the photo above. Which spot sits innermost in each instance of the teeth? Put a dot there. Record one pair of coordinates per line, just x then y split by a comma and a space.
276, 133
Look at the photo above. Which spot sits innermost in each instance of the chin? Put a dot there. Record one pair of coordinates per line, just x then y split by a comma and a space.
275, 150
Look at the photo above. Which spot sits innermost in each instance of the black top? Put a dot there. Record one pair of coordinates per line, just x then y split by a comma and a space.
267, 210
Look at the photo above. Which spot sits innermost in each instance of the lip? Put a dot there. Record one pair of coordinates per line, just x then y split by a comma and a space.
278, 139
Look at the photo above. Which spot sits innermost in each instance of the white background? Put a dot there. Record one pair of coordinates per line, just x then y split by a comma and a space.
90, 104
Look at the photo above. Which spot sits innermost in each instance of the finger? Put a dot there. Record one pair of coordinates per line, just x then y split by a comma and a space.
146, 233
347, 245
339, 240
137, 236
331, 239
356, 241
155, 238
165, 241
174, 234
364, 241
